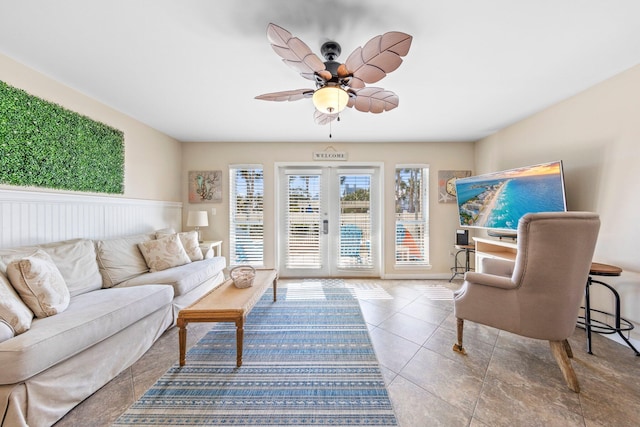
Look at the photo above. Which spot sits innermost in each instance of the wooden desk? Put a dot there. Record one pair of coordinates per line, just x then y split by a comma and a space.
493, 248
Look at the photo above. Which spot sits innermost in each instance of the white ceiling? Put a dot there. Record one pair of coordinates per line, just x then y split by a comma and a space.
191, 68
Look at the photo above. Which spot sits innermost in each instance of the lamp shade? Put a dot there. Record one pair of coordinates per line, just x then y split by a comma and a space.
197, 219
330, 99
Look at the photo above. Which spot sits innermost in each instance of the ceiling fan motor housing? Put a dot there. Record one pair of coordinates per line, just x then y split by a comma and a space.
330, 50
332, 67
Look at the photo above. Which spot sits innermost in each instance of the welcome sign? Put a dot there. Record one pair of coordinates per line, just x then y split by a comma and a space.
330, 155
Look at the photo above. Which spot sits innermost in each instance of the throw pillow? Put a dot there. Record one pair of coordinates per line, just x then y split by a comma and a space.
13, 310
120, 259
164, 232
6, 331
164, 253
39, 284
189, 240
191, 245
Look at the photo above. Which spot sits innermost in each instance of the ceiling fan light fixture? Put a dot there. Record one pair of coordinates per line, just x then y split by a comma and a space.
330, 99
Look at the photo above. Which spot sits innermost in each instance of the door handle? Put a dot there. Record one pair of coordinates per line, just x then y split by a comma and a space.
325, 226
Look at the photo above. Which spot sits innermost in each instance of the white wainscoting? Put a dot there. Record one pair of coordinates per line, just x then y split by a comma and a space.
30, 217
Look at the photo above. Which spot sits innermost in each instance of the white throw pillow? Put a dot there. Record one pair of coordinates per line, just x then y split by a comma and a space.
120, 259
39, 284
189, 240
6, 331
164, 253
191, 245
13, 310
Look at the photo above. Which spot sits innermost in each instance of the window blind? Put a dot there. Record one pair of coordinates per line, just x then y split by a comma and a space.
246, 233
412, 239
303, 221
355, 222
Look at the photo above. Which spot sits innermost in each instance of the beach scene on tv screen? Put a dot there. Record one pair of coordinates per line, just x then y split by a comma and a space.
498, 200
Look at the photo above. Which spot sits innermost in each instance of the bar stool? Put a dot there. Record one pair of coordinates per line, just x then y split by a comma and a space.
589, 324
459, 268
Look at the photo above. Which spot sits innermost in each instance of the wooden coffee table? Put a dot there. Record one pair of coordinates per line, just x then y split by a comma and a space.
226, 303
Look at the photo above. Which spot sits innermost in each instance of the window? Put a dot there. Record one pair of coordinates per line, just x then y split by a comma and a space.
246, 230
412, 215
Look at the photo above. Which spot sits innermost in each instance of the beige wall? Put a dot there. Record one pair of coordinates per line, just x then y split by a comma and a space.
439, 156
597, 136
152, 166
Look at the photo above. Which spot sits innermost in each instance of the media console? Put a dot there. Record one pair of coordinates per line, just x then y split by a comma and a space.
491, 248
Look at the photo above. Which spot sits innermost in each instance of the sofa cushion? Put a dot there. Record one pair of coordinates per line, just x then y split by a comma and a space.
189, 241
164, 253
6, 331
76, 260
120, 259
89, 319
39, 284
183, 278
13, 311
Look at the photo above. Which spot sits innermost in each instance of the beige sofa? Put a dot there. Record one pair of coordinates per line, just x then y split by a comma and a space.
98, 310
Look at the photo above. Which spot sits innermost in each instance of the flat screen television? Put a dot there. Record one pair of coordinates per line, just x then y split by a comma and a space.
496, 201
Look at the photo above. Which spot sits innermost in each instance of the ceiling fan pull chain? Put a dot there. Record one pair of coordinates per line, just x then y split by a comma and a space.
330, 110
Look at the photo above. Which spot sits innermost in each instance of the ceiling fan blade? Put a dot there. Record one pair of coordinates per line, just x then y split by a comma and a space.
287, 95
380, 56
375, 100
323, 118
294, 52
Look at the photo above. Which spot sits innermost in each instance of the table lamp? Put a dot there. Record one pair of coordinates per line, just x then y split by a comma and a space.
198, 219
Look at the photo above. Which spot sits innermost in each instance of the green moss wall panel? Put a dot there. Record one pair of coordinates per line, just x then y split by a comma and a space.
45, 145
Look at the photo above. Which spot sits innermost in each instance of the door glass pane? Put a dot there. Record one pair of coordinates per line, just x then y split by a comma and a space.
355, 221
303, 221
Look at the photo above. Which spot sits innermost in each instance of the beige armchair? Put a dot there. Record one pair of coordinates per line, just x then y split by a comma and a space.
539, 295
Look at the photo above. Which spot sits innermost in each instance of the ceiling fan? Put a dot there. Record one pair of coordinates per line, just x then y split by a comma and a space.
340, 85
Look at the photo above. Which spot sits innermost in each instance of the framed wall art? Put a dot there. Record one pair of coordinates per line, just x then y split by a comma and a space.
446, 185
205, 186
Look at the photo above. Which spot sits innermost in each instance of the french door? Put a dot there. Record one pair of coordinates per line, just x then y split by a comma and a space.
329, 221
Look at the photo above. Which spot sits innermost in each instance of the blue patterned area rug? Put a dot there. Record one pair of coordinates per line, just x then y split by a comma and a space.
308, 361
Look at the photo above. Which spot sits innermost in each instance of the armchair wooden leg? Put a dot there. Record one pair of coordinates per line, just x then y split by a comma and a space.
457, 347
567, 348
559, 351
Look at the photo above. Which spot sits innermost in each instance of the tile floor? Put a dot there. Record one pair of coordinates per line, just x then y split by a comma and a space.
505, 380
